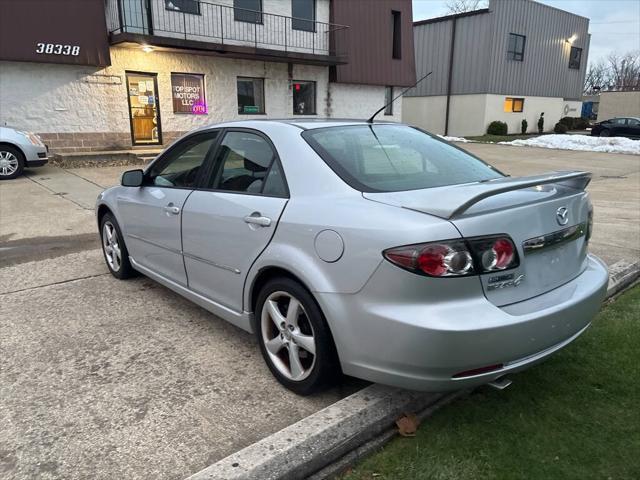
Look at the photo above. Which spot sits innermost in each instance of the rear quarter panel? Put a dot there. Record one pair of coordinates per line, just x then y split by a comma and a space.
366, 228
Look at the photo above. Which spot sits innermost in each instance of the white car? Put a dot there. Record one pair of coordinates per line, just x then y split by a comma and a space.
20, 150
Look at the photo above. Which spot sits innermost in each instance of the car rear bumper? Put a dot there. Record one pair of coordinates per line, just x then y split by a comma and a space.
427, 345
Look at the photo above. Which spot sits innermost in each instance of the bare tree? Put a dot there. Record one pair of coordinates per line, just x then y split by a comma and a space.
598, 76
615, 73
624, 70
461, 6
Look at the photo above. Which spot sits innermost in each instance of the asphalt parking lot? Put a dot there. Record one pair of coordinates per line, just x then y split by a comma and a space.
107, 379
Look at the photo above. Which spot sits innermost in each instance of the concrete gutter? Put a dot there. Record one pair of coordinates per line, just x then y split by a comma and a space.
325, 443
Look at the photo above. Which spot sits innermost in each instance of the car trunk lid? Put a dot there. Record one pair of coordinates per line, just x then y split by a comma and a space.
546, 216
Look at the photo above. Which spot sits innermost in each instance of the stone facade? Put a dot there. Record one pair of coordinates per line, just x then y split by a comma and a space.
83, 109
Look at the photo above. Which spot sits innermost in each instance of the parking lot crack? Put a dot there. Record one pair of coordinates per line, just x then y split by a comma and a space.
53, 284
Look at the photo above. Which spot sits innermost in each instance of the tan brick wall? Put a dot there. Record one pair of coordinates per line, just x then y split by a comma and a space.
95, 141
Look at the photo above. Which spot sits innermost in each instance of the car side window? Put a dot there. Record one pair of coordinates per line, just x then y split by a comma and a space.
632, 122
180, 167
619, 121
246, 163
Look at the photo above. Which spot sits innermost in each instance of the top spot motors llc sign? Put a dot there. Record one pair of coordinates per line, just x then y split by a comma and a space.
187, 90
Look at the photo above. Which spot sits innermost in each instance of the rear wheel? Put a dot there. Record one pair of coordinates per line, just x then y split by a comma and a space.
115, 251
11, 162
605, 133
294, 337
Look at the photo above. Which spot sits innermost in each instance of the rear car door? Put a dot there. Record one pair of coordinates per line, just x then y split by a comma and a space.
151, 214
228, 222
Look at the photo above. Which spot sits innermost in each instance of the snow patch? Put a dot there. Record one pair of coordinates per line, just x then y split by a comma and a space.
581, 143
455, 139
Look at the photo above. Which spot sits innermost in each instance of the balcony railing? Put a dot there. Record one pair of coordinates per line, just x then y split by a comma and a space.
222, 24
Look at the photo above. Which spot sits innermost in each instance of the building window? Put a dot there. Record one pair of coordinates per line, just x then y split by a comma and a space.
247, 11
515, 49
187, 91
513, 105
184, 6
304, 15
250, 95
397, 34
304, 97
574, 58
388, 96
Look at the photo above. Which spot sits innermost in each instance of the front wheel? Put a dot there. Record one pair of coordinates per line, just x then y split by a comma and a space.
114, 250
605, 133
11, 162
294, 337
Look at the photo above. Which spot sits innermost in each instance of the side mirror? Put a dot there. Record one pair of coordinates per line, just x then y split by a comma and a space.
132, 178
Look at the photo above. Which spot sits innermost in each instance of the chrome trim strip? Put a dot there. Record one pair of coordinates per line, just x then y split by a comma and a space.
188, 255
213, 264
554, 239
155, 244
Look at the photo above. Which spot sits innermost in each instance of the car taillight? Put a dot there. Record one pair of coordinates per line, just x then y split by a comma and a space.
494, 253
456, 258
441, 259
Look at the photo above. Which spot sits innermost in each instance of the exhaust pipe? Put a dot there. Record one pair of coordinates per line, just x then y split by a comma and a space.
500, 383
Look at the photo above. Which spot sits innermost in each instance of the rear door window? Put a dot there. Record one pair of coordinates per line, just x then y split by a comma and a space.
247, 163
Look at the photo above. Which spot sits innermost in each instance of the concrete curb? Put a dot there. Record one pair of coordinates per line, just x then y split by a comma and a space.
325, 443
621, 276
318, 440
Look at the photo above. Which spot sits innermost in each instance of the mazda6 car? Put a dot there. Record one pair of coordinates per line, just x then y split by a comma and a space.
370, 249
20, 150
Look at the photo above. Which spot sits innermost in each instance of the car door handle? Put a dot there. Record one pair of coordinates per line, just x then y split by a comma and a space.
172, 209
256, 219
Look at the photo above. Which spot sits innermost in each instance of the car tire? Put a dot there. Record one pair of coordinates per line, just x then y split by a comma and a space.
605, 133
115, 252
301, 333
12, 162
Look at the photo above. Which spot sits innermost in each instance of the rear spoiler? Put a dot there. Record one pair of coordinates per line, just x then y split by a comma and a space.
452, 201
467, 196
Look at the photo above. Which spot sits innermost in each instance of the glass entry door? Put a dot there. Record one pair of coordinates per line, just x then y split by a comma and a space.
144, 112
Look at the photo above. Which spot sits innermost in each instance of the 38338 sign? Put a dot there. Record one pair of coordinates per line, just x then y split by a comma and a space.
58, 49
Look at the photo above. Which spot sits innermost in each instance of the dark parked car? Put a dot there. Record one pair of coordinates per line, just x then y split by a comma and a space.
617, 127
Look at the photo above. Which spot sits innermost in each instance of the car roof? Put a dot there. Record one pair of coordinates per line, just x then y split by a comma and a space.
302, 123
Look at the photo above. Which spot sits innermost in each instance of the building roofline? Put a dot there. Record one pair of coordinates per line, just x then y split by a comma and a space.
560, 10
451, 17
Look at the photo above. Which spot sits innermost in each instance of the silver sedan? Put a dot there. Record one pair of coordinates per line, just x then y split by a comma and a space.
20, 150
371, 249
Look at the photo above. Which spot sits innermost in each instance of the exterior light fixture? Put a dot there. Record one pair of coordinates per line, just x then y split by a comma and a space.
147, 49
572, 38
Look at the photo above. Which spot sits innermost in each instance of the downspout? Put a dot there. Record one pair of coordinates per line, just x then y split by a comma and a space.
450, 76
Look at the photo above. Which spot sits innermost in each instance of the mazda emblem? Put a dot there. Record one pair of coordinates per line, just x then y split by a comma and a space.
562, 215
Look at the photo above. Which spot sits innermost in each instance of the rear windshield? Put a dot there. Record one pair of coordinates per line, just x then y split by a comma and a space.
392, 158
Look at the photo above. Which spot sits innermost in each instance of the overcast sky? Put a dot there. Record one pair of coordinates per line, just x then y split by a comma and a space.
614, 25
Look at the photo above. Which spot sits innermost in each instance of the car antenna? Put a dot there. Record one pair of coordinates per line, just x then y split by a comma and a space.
397, 97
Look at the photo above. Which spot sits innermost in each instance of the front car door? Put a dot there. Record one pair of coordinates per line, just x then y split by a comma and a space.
231, 220
633, 128
151, 214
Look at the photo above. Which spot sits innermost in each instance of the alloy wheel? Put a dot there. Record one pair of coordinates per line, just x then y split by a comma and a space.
111, 246
8, 163
288, 336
